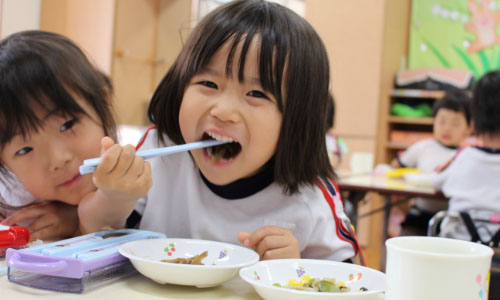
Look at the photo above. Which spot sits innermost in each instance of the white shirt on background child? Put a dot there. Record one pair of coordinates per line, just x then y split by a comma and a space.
427, 155
472, 183
471, 180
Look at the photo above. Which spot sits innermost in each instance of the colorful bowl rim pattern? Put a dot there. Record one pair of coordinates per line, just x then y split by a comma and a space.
356, 275
173, 245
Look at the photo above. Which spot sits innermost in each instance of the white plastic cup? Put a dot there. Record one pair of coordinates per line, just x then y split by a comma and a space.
361, 162
434, 268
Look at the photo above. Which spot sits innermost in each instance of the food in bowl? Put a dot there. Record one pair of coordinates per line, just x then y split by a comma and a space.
195, 260
325, 285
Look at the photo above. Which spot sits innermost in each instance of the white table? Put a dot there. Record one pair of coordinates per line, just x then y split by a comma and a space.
386, 186
137, 287
361, 184
134, 287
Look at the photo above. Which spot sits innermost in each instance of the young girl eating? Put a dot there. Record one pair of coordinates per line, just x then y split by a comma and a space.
256, 75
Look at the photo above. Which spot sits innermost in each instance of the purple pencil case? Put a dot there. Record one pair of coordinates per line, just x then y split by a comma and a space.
76, 264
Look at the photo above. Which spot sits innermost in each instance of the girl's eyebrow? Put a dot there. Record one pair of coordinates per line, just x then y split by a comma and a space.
254, 80
55, 112
210, 71
249, 79
50, 114
18, 135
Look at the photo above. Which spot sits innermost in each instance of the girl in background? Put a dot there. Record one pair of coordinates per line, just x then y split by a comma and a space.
54, 110
335, 146
256, 75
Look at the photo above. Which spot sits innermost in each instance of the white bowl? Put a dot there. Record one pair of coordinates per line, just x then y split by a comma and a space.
264, 274
222, 263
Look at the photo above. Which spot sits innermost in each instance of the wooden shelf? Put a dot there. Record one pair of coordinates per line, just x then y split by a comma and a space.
405, 120
401, 132
411, 93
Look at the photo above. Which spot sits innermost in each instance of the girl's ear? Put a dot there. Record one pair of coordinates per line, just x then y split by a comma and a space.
107, 87
471, 128
107, 93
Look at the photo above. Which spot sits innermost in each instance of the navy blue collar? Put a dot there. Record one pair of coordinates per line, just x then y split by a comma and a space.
449, 147
244, 187
488, 150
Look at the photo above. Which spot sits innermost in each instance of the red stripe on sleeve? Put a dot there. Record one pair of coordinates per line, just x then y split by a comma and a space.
143, 138
338, 224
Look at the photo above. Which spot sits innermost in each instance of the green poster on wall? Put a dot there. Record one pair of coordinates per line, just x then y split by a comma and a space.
456, 34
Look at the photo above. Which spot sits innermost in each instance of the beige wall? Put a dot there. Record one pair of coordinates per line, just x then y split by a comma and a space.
133, 57
146, 41
395, 47
19, 15
354, 46
135, 41
364, 55
89, 23
175, 22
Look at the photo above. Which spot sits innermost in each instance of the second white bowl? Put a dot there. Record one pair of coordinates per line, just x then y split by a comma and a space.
264, 274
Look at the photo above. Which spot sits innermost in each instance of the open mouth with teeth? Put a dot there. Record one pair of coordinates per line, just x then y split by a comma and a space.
221, 152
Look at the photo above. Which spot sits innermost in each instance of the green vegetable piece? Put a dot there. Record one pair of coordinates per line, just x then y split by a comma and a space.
311, 281
327, 286
276, 284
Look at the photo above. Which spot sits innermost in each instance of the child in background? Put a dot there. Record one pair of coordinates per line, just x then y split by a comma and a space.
471, 179
54, 110
451, 126
335, 146
257, 75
